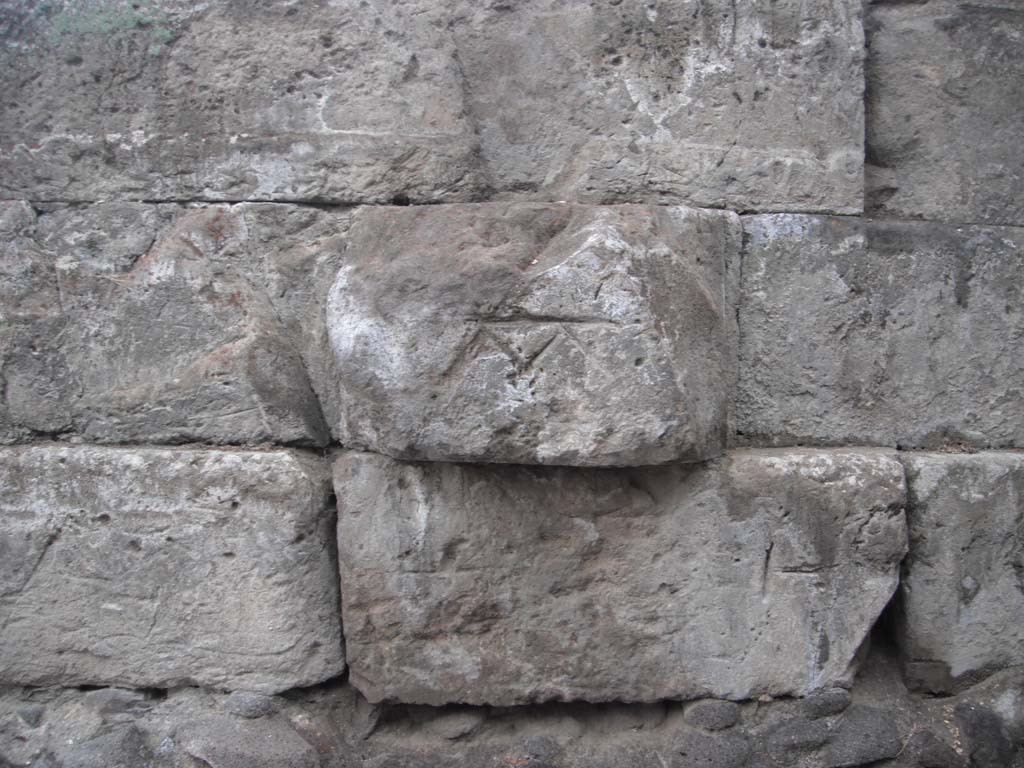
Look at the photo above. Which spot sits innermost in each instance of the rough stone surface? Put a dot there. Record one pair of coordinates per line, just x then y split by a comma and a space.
120, 748
250, 705
748, 105
883, 333
962, 591
127, 322
234, 100
945, 106
537, 334
864, 736
713, 714
759, 574
223, 742
163, 567
826, 702
326, 727
739, 105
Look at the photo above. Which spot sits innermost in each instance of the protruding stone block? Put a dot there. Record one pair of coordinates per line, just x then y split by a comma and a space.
129, 322
537, 334
165, 567
962, 592
945, 110
760, 573
884, 333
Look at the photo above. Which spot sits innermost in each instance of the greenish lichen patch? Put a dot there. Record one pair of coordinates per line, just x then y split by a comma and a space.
110, 17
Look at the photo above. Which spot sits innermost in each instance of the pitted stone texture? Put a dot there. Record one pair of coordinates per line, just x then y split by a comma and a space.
724, 104
187, 728
28, 295
165, 567
757, 574
884, 333
737, 105
537, 334
233, 100
945, 109
962, 593
160, 323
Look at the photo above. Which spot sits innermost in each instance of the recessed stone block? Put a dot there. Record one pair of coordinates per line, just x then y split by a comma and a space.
962, 592
163, 567
945, 108
884, 333
760, 573
536, 334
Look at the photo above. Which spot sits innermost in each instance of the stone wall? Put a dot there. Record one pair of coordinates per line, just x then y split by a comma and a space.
533, 384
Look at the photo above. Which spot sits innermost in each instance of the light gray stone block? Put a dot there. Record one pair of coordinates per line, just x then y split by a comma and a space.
129, 322
884, 333
536, 334
164, 567
233, 101
750, 106
945, 111
741, 105
962, 592
757, 574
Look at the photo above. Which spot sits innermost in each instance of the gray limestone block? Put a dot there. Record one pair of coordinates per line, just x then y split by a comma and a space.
724, 104
158, 323
536, 333
962, 593
231, 101
884, 333
945, 110
759, 573
162, 567
751, 106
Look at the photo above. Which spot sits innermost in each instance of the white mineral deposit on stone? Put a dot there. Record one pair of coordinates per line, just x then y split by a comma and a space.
557, 384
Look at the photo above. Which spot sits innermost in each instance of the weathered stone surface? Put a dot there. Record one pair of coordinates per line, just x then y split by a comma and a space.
826, 702
537, 334
161, 323
233, 100
163, 567
120, 748
739, 105
715, 103
945, 108
887, 333
712, 714
760, 573
222, 742
962, 593
863, 736
180, 725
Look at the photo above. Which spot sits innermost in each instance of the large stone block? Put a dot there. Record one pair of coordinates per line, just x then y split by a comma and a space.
751, 105
962, 592
160, 323
945, 110
891, 333
166, 567
537, 334
760, 573
711, 102
232, 100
